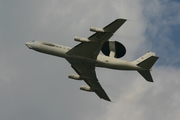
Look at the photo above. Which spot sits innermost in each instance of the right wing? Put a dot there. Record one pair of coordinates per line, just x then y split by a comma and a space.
88, 74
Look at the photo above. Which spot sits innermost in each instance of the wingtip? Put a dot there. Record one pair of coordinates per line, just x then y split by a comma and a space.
150, 81
108, 100
122, 19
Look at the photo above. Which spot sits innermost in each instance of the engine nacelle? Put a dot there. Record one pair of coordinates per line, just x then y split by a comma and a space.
75, 77
94, 29
86, 88
113, 49
79, 39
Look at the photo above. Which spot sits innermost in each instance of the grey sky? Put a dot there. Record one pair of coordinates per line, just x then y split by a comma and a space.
34, 86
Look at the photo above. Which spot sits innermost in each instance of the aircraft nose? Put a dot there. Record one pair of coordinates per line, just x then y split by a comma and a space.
29, 45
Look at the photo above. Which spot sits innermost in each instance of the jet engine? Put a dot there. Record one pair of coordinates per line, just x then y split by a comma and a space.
94, 29
79, 39
86, 88
75, 77
113, 49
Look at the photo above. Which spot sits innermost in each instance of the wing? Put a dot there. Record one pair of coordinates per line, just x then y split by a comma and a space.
87, 73
89, 51
92, 48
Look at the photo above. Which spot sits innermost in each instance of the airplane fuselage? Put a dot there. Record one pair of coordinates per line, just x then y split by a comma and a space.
101, 61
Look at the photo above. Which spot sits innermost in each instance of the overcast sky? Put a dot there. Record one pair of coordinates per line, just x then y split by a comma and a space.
35, 86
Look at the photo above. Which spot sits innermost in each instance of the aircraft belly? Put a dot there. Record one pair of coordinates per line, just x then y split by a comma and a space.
51, 51
116, 64
81, 60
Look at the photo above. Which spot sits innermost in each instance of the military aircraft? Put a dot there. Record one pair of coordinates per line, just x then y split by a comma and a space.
85, 56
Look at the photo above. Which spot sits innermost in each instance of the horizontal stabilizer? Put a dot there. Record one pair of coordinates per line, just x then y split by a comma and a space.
146, 74
146, 61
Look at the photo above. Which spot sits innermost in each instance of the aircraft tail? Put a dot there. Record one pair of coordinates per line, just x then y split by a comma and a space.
146, 62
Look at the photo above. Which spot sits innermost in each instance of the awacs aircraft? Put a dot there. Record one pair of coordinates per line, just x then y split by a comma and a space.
85, 57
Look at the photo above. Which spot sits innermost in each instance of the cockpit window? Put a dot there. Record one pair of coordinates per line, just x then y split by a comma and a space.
49, 44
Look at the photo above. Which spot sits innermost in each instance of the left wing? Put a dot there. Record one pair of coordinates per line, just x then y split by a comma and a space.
87, 73
92, 47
